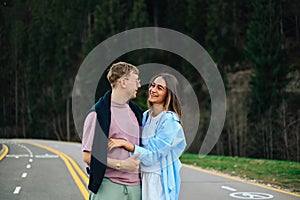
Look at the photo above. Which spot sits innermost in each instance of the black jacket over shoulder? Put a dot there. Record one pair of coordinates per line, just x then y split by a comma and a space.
99, 149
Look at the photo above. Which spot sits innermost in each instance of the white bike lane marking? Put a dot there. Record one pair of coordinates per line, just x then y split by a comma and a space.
251, 195
246, 195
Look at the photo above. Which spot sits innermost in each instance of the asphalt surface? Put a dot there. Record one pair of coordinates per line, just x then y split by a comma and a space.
41, 169
203, 184
29, 172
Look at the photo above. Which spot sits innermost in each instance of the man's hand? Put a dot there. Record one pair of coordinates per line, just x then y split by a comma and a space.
86, 157
130, 164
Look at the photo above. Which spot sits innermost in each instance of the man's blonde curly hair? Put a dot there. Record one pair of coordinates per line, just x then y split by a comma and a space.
118, 70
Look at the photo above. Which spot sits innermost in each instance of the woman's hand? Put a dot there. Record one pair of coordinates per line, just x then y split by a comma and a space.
115, 143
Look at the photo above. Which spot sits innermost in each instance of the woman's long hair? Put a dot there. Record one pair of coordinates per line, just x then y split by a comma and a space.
172, 100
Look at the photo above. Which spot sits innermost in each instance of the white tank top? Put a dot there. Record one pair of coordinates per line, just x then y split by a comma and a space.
147, 134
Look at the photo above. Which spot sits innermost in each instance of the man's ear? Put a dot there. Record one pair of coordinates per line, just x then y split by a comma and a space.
123, 83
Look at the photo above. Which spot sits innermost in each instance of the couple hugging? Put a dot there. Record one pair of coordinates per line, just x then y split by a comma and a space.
124, 160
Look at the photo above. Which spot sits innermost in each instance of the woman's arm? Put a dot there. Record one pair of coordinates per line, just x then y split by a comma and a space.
169, 137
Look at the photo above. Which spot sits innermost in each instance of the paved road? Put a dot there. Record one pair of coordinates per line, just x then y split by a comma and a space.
203, 184
40, 169
31, 172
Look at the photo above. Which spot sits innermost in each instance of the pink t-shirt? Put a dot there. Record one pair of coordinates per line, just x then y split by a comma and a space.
124, 125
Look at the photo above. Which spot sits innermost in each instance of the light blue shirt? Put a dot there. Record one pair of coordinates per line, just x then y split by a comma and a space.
167, 144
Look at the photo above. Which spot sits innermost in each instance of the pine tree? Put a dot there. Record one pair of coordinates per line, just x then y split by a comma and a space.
265, 51
138, 16
109, 18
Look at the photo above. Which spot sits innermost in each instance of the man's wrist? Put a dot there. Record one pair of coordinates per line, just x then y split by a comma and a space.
118, 165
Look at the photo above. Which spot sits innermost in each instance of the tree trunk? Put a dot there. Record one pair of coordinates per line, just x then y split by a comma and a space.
59, 125
68, 119
4, 110
298, 139
243, 136
229, 137
16, 101
23, 113
297, 29
285, 131
55, 130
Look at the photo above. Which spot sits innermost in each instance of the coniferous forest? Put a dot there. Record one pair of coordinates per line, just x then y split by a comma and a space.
255, 44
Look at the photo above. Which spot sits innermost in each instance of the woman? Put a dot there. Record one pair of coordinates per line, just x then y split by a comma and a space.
163, 140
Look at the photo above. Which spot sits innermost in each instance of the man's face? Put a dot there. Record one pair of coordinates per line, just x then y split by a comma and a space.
132, 84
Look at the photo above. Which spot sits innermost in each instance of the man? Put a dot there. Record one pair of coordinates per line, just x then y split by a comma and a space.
114, 175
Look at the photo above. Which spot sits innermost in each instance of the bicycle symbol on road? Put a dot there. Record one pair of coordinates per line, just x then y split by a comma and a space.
251, 195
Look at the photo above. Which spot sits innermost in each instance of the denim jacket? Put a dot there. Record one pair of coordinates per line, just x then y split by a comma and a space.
167, 144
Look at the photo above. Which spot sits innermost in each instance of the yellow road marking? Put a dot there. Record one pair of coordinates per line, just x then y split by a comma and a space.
67, 161
240, 180
78, 169
5, 151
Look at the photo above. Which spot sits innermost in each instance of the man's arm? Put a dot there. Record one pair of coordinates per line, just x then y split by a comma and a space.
88, 136
129, 164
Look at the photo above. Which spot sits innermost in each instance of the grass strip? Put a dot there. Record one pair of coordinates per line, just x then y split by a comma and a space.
277, 173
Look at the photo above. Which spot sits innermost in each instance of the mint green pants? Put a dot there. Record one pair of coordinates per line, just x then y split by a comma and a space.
115, 191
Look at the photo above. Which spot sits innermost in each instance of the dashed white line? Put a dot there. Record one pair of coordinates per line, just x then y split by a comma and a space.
28, 166
24, 175
228, 188
17, 190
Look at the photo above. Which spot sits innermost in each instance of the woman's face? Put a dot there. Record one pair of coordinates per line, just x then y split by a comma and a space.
157, 91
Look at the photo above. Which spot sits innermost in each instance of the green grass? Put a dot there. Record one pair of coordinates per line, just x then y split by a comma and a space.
281, 174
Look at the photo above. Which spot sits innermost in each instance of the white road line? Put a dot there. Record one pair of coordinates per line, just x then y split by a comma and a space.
24, 175
30, 160
46, 156
17, 155
228, 188
28, 166
17, 190
27, 149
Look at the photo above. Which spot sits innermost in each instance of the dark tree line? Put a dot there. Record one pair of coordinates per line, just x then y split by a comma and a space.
43, 43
